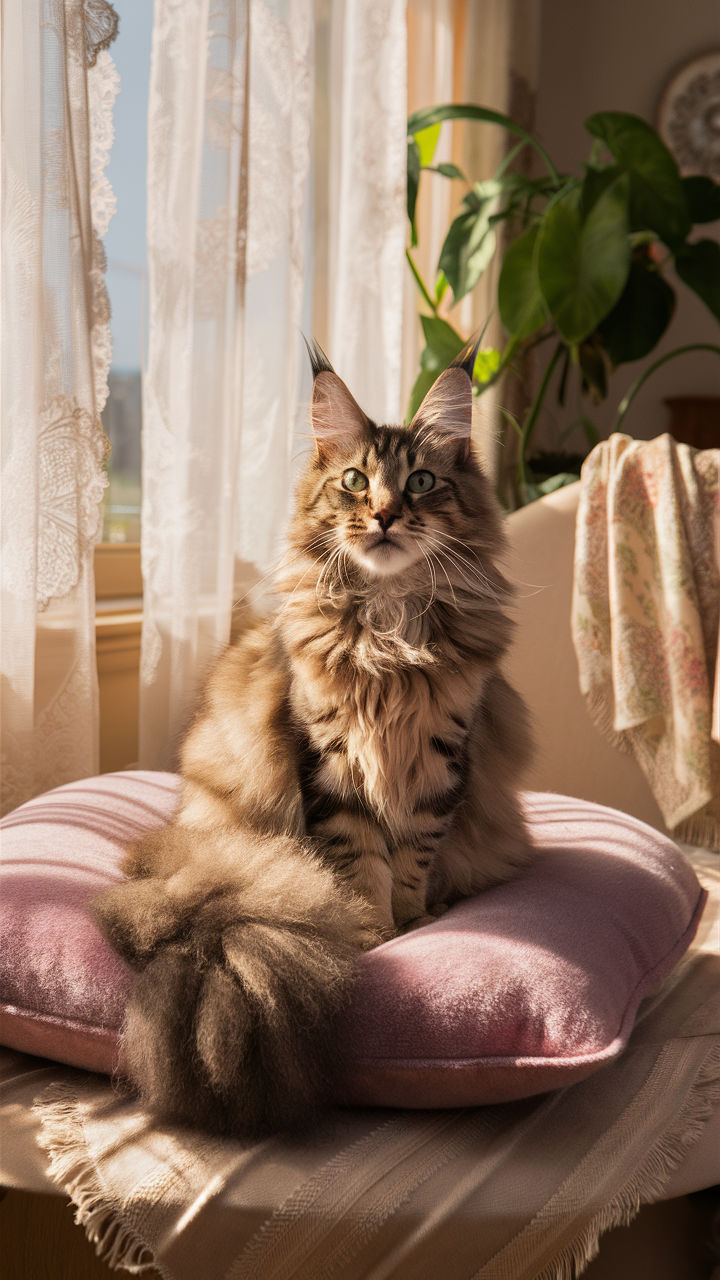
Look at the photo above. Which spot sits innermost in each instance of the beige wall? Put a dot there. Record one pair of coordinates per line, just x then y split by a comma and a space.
619, 55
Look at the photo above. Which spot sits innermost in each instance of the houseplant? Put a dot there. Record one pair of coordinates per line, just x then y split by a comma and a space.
584, 265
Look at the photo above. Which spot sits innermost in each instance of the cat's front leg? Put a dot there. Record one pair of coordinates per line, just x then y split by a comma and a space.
415, 860
410, 870
355, 848
371, 877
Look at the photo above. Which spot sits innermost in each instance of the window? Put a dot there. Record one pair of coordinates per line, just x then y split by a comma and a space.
125, 248
118, 581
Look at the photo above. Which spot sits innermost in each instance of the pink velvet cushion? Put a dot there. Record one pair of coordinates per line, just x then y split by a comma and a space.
532, 985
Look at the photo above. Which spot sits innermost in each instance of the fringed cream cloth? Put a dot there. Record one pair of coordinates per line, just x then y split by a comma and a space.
645, 616
514, 1192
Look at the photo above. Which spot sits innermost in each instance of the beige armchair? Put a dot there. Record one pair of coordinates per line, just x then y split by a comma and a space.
571, 757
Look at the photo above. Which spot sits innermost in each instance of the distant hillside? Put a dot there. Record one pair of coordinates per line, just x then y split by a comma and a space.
122, 420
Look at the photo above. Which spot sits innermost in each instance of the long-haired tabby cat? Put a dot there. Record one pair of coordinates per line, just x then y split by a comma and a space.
352, 769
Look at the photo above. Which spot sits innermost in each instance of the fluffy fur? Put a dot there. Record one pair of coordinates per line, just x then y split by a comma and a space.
352, 770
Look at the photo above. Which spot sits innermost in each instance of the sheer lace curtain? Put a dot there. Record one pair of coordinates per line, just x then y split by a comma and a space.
276, 204
58, 87
366, 199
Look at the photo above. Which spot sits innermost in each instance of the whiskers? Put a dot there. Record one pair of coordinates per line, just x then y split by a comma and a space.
468, 575
329, 556
323, 543
432, 556
333, 580
428, 558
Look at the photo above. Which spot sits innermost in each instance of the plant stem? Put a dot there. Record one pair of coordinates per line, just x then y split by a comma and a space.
510, 350
679, 351
531, 419
421, 284
511, 155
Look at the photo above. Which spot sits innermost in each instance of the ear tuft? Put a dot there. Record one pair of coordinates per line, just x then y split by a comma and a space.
318, 359
467, 357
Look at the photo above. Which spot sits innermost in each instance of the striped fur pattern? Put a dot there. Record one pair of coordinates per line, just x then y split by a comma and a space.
352, 770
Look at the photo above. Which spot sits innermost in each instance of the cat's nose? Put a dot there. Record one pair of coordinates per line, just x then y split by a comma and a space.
385, 518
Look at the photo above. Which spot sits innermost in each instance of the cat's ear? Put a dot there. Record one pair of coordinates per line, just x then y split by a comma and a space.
335, 416
445, 415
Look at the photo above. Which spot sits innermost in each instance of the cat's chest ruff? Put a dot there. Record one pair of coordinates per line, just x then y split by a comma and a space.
392, 741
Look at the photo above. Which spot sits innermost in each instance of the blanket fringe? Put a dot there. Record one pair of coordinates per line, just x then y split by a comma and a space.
702, 830
120, 1246
650, 1180
115, 1242
600, 706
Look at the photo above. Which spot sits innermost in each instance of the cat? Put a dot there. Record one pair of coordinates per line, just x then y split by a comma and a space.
353, 769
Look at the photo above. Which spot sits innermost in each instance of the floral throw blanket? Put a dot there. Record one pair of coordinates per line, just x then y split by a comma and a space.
646, 606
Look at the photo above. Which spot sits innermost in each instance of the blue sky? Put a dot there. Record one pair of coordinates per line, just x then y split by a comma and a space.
125, 239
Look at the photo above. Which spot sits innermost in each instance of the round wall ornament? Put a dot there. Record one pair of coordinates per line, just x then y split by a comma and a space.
689, 115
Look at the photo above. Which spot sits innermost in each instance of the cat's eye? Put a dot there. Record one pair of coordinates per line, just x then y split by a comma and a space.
354, 480
420, 481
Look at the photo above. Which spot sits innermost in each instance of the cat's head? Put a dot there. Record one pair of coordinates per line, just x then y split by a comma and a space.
388, 498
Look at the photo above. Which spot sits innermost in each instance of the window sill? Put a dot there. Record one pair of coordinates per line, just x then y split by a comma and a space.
118, 574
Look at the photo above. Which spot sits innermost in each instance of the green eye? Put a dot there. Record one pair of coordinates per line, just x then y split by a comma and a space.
420, 482
354, 480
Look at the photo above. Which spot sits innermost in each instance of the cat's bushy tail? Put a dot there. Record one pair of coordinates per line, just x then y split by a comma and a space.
245, 957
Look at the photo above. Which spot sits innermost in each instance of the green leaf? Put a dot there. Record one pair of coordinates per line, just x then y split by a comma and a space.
443, 343
703, 198
441, 285
450, 171
427, 140
516, 187
648, 211
698, 265
522, 309
640, 316
582, 266
421, 386
486, 365
532, 490
426, 116
558, 481
657, 196
595, 182
469, 246
530, 493
472, 201
413, 178
594, 370
488, 188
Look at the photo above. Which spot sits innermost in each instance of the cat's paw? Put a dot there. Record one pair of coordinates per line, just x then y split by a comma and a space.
418, 923
372, 937
428, 917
